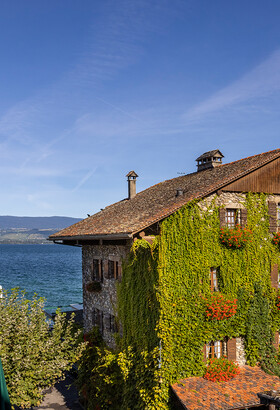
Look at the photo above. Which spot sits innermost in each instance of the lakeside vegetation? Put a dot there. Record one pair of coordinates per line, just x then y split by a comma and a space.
33, 356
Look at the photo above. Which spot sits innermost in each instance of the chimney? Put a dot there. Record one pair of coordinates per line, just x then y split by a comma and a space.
210, 159
131, 179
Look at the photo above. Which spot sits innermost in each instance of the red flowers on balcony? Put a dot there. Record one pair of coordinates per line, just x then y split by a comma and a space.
221, 370
236, 237
220, 307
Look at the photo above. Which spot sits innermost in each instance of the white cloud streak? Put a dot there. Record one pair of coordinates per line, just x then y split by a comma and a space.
263, 80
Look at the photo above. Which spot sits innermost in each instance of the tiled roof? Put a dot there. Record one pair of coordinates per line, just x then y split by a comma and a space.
215, 152
159, 201
197, 393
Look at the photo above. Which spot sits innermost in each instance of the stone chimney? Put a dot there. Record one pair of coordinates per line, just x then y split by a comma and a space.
131, 179
210, 159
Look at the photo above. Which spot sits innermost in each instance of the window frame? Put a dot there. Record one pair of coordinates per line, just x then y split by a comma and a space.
214, 349
213, 277
97, 319
113, 269
232, 217
97, 270
278, 215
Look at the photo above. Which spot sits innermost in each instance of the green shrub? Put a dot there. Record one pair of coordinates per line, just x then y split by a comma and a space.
34, 357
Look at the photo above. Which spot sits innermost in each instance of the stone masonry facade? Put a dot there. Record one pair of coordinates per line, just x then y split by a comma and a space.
100, 306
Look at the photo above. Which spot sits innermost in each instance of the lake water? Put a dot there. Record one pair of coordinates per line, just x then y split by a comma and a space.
52, 271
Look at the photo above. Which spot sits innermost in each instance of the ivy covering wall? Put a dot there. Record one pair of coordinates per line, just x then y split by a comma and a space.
163, 296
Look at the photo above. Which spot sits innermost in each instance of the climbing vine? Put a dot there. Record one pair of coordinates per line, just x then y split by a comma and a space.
164, 294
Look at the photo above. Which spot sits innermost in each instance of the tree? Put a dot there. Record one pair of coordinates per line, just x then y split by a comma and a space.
33, 356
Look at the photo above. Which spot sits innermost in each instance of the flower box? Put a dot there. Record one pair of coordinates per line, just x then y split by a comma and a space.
221, 370
236, 237
276, 238
93, 286
220, 307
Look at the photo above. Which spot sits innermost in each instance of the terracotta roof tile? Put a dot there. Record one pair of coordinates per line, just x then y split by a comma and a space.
159, 201
240, 392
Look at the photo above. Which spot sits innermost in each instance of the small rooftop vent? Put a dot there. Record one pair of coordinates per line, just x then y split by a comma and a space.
210, 159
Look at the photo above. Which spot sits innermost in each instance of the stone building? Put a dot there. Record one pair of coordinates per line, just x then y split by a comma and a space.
107, 236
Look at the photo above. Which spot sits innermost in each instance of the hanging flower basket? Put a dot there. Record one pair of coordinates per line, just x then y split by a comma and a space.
220, 307
236, 237
221, 370
93, 286
276, 238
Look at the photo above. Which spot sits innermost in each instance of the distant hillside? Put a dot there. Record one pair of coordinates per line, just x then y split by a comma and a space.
27, 229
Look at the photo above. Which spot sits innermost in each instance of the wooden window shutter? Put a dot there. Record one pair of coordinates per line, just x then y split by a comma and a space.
222, 216
204, 354
100, 270
274, 276
100, 320
243, 217
276, 340
94, 317
272, 212
119, 271
105, 269
107, 322
231, 349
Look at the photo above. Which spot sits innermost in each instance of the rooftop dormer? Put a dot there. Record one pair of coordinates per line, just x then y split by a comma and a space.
210, 159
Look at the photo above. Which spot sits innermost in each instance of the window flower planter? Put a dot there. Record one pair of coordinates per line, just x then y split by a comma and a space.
235, 238
276, 239
220, 307
221, 370
93, 286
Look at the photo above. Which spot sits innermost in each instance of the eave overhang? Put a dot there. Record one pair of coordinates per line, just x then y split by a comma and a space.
79, 239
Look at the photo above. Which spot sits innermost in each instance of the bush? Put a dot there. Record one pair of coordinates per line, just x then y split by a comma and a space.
221, 370
34, 357
100, 379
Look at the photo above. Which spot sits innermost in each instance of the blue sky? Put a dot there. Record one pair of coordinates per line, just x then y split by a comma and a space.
93, 89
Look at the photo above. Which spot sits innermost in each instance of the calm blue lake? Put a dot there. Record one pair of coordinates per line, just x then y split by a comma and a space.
52, 271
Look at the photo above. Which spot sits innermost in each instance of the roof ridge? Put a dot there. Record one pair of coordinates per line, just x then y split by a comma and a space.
251, 156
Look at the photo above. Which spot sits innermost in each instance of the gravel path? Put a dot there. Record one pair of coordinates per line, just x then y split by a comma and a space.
63, 396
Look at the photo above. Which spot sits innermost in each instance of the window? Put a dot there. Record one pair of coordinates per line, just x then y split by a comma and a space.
97, 319
278, 214
97, 270
232, 217
112, 324
214, 280
214, 350
114, 270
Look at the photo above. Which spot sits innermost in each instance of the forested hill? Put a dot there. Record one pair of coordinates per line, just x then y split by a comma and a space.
28, 229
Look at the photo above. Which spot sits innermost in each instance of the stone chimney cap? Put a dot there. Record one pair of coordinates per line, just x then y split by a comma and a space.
132, 174
214, 153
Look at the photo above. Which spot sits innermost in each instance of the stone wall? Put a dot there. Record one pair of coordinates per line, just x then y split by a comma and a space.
105, 300
240, 351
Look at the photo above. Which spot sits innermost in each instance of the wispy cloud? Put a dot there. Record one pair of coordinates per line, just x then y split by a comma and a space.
83, 180
257, 83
